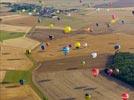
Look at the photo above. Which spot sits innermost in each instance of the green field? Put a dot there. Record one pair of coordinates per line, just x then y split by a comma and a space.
9, 35
124, 61
13, 76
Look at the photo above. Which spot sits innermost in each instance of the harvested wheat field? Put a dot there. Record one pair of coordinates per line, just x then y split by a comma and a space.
11, 28
19, 20
16, 92
2, 75
73, 84
22, 42
13, 58
97, 43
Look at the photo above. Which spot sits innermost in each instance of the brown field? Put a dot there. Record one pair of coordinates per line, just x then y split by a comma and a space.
13, 58
19, 20
2, 75
16, 92
22, 42
11, 28
73, 84
99, 43
65, 78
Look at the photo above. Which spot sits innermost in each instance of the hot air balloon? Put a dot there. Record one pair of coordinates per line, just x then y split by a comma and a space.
30, 13
21, 82
85, 45
133, 12
110, 72
98, 9
114, 17
83, 62
28, 51
23, 10
125, 96
69, 14
108, 25
116, 71
113, 21
95, 72
77, 45
66, 50
67, 29
117, 46
123, 22
39, 20
94, 55
108, 10
81, 1
70, 45
51, 25
51, 37
42, 46
97, 24
87, 96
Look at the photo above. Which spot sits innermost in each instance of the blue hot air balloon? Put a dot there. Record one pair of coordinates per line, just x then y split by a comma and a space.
66, 50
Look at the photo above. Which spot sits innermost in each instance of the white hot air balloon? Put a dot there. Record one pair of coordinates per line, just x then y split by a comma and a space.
94, 54
30, 13
98, 9
23, 10
108, 10
85, 45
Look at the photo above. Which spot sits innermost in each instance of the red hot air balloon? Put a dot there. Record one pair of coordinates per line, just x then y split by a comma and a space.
95, 72
114, 16
125, 96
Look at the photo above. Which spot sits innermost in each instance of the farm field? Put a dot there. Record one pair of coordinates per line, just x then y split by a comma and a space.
50, 75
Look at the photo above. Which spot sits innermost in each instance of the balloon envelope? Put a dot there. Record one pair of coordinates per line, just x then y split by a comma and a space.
85, 45
87, 97
77, 44
67, 29
51, 25
113, 16
66, 49
125, 96
117, 46
95, 72
113, 21
110, 72
94, 55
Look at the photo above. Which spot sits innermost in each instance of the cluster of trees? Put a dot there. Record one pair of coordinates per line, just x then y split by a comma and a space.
124, 61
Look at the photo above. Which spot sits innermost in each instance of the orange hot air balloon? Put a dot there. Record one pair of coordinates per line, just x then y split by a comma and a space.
95, 72
125, 96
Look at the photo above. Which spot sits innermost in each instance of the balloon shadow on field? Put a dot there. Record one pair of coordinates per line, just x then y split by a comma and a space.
12, 86
46, 80
68, 98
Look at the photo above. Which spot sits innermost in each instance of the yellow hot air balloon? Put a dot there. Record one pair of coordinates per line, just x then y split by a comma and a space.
77, 45
67, 29
113, 21
87, 97
51, 25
